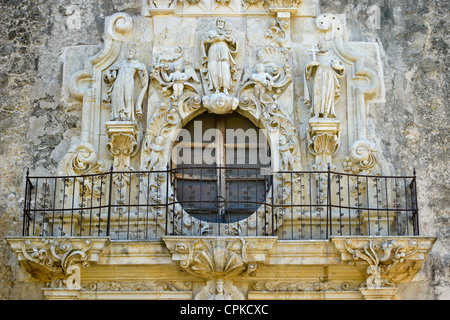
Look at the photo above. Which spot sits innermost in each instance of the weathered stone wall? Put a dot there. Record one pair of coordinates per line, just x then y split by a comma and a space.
411, 127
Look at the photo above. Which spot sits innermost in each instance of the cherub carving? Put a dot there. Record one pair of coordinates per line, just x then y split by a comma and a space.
220, 103
153, 160
178, 78
263, 80
286, 149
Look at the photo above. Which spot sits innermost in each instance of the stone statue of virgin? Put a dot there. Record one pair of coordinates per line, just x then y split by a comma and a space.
218, 48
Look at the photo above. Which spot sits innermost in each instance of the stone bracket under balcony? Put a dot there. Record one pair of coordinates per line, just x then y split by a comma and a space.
182, 267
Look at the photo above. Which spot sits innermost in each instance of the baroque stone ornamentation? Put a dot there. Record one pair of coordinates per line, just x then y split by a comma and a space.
122, 146
303, 286
278, 32
219, 260
292, 72
390, 260
362, 158
219, 290
126, 286
59, 258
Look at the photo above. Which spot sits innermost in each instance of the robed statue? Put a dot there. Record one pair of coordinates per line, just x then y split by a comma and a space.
218, 47
121, 77
327, 69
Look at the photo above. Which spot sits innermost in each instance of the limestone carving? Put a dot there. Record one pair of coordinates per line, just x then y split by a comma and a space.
122, 146
219, 260
323, 146
286, 148
283, 3
362, 158
178, 78
327, 69
278, 32
220, 103
59, 258
385, 258
219, 290
163, 122
173, 75
218, 48
263, 80
303, 286
80, 159
137, 286
259, 92
214, 259
120, 77
156, 148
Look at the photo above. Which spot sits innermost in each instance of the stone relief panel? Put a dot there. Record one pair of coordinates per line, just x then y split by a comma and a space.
295, 76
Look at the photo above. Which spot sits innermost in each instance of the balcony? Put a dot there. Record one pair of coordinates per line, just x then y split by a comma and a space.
182, 233
220, 201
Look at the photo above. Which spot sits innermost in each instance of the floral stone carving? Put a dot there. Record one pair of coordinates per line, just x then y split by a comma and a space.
56, 259
390, 260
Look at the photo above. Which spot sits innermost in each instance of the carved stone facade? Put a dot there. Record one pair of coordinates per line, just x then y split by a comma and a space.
288, 68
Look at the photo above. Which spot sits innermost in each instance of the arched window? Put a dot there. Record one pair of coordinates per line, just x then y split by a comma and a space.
221, 167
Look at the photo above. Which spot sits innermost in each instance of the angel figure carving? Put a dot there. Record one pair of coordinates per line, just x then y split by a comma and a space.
178, 78
328, 69
121, 77
218, 47
156, 148
286, 149
263, 80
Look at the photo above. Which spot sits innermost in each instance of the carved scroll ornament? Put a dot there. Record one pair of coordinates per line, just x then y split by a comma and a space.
59, 258
387, 260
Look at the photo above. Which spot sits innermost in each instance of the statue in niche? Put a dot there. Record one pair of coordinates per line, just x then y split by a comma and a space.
218, 48
263, 80
328, 69
120, 76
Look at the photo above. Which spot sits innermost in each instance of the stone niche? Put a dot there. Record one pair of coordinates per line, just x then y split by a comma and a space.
288, 68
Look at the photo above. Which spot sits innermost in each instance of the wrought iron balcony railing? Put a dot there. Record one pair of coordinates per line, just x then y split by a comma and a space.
220, 201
